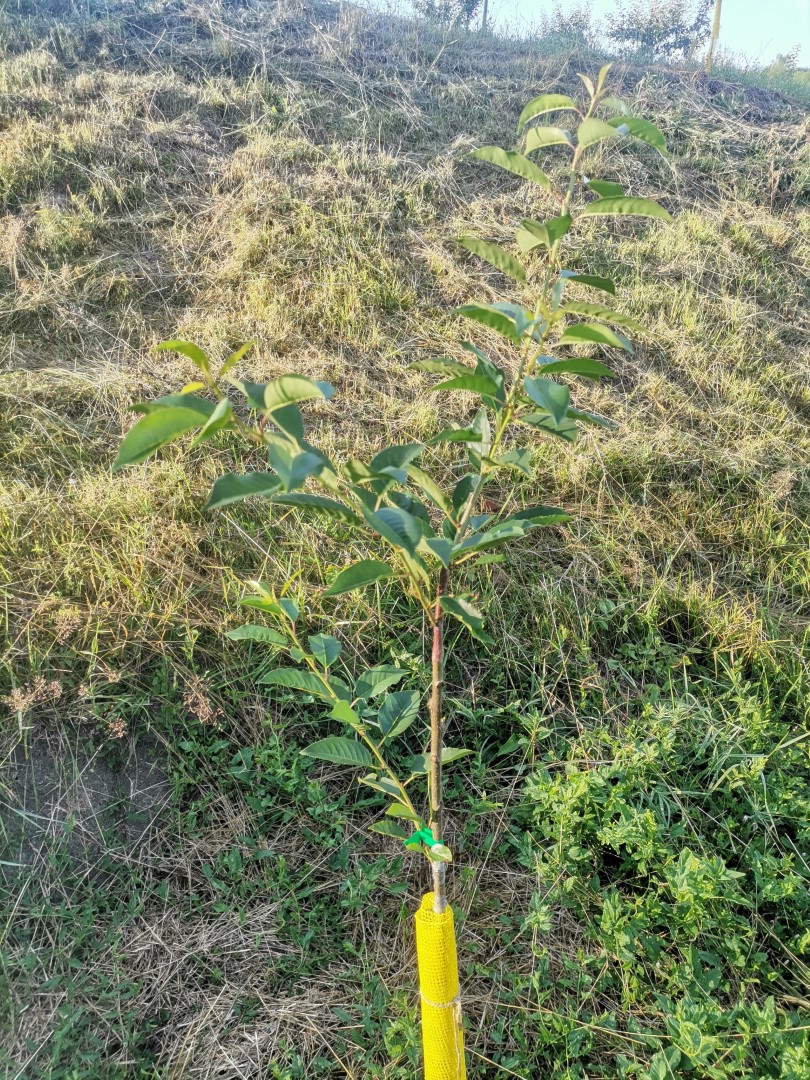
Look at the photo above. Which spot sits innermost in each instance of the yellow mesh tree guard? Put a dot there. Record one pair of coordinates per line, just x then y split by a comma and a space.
442, 1036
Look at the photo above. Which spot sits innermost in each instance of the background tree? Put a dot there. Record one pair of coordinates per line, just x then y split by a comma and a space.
666, 30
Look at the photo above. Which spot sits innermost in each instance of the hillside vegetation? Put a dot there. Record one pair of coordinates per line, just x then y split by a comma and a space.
182, 893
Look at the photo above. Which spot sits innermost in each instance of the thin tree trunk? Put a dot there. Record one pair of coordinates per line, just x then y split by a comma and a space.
436, 738
718, 4
484, 14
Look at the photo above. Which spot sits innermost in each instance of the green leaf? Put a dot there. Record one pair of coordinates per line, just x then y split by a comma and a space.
153, 431
428, 486
325, 649
235, 357
358, 575
398, 712
289, 419
552, 396
293, 469
232, 487
593, 332
220, 418
400, 811
377, 679
396, 457
390, 828
476, 384
320, 504
606, 188
615, 103
290, 389
543, 104
345, 713
492, 317
567, 430
340, 751
194, 353
596, 311
499, 534
380, 783
590, 418
295, 679
252, 632
603, 73
626, 206
546, 136
513, 163
185, 401
396, 526
497, 256
605, 284
543, 233
420, 763
577, 365
641, 129
519, 458
537, 516
441, 366
466, 613
594, 130
441, 548
456, 435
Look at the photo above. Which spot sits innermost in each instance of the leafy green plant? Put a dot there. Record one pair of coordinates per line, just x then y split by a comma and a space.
421, 533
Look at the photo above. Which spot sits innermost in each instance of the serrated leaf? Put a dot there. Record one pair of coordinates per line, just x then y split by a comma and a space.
389, 828
253, 632
605, 284
513, 163
461, 608
496, 256
641, 129
537, 137
358, 575
594, 333
155, 430
626, 206
295, 679
320, 504
594, 130
545, 103
552, 396
398, 712
490, 316
232, 487
578, 365
325, 649
377, 679
339, 751
188, 349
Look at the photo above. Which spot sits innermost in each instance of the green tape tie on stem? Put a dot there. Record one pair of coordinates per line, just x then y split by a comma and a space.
421, 836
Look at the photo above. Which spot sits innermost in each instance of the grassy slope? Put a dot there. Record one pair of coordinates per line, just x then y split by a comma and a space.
298, 175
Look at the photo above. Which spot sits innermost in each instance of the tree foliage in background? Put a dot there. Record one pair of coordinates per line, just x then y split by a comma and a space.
448, 12
664, 30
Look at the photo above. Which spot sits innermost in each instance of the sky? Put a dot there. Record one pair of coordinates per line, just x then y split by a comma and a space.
757, 29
